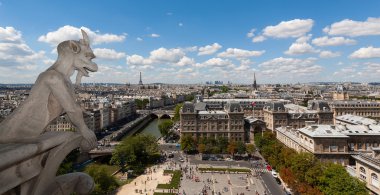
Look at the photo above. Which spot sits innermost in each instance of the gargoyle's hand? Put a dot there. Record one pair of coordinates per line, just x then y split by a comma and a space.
89, 140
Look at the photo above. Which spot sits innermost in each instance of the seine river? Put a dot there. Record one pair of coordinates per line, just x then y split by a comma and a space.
152, 128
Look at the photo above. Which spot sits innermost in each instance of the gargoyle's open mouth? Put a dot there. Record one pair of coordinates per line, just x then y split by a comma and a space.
86, 70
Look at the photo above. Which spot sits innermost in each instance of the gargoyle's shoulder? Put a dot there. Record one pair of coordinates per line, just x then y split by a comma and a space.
51, 76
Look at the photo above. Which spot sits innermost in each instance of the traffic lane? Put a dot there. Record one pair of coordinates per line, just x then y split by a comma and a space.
194, 160
271, 184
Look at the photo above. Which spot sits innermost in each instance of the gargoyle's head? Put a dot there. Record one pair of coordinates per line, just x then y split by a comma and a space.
82, 55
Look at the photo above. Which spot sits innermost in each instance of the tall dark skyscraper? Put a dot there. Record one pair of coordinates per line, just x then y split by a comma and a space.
140, 82
254, 82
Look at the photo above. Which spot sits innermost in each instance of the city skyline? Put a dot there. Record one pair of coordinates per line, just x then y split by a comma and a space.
183, 42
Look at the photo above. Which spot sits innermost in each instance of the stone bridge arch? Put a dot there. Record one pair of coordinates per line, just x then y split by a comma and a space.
165, 116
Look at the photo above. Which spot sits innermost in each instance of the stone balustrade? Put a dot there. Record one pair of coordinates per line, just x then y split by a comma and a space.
29, 166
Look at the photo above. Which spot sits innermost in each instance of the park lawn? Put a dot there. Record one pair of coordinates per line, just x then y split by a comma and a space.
111, 168
174, 182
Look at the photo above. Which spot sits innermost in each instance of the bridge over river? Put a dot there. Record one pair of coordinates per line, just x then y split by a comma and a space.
148, 123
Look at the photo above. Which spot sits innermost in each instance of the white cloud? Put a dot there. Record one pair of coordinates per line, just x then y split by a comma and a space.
18, 62
139, 39
328, 54
244, 65
180, 24
240, 53
366, 52
174, 56
18, 53
27, 67
109, 54
73, 33
186, 70
251, 34
49, 61
209, 49
185, 61
301, 46
290, 66
353, 28
10, 34
167, 55
215, 62
285, 29
190, 49
258, 39
333, 41
153, 35
293, 28
138, 60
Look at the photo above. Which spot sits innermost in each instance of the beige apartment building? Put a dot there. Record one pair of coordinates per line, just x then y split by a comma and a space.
251, 107
368, 169
278, 114
197, 120
358, 108
334, 143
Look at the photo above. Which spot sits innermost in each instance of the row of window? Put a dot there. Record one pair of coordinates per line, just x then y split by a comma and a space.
374, 178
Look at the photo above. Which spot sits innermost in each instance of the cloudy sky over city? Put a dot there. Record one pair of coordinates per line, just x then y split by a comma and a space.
197, 41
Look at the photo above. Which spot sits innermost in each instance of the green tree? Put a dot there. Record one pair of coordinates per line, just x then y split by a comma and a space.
164, 126
136, 152
188, 143
67, 164
189, 97
141, 104
104, 183
231, 148
250, 149
201, 148
336, 180
176, 112
224, 89
222, 144
301, 163
241, 148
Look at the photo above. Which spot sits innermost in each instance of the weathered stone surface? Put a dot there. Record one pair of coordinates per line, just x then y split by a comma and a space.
29, 156
52, 95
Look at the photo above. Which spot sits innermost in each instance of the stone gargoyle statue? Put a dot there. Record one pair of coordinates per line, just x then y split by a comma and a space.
29, 156
52, 95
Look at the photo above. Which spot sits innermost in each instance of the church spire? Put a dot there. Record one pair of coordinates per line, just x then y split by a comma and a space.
254, 82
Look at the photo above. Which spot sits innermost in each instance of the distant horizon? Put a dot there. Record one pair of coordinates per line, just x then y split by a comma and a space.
196, 41
312, 82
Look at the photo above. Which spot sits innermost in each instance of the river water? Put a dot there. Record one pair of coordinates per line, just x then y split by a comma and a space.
152, 128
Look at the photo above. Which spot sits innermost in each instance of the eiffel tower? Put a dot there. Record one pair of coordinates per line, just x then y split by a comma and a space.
140, 82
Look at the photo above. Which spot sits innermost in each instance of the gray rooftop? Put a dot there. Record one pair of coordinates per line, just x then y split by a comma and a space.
356, 120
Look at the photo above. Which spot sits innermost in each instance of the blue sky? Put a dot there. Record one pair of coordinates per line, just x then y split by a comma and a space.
196, 41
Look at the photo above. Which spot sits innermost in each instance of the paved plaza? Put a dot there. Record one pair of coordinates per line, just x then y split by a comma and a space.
195, 183
146, 183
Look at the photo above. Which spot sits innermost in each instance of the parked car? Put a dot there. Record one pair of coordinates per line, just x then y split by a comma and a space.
274, 173
278, 180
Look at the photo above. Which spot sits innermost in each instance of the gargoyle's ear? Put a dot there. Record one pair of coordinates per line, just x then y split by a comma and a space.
74, 46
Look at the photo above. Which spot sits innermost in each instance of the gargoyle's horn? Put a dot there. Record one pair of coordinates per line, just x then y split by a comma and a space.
86, 40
